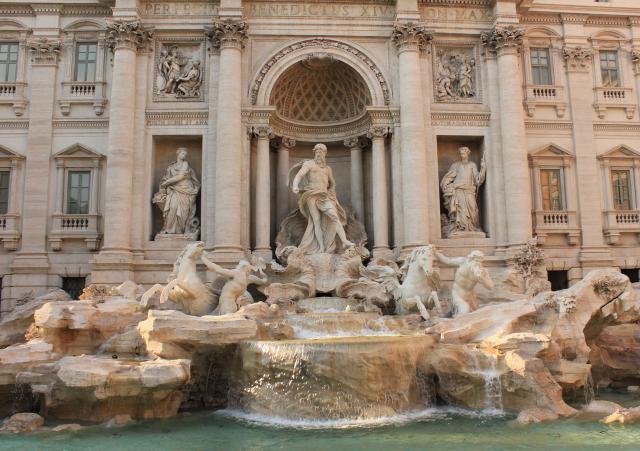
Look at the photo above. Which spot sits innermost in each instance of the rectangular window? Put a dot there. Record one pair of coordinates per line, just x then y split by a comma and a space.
609, 68
8, 61
78, 192
86, 56
621, 181
559, 280
551, 188
541, 66
4, 192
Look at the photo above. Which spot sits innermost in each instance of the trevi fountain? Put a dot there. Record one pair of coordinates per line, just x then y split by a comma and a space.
319, 225
323, 337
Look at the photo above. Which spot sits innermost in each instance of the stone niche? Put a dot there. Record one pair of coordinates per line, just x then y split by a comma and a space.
447, 155
164, 154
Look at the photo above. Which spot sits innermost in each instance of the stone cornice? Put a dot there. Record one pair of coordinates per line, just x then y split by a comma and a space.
476, 3
457, 119
46, 8
577, 59
127, 34
410, 36
574, 18
227, 33
182, 118
44, 51
502, 38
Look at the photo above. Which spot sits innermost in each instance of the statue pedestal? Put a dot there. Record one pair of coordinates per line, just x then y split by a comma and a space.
180, 237
469, 234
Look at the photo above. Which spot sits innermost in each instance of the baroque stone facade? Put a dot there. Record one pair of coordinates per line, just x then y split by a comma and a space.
95, 99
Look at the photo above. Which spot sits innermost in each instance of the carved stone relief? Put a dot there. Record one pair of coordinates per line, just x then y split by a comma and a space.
179, 72
455, 74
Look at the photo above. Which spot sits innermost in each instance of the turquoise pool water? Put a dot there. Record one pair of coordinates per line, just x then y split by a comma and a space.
428, 430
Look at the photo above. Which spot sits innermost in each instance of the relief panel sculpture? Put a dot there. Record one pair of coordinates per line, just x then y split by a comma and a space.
178, 71
455, 75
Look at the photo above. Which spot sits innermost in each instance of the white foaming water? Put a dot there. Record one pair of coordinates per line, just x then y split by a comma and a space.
429, 414
305, 333
491, 376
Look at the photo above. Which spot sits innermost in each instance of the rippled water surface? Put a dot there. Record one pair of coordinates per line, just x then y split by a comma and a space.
426, 430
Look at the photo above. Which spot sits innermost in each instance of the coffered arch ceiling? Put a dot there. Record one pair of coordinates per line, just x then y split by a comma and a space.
320, 89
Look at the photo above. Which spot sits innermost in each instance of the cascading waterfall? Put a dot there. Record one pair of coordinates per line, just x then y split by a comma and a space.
331, 378
486, 366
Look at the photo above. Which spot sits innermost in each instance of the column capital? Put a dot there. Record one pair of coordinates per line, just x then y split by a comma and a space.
577, 59
503, 38
410, 36
128, 34
357, 142
378, 131
44, 51
261, 131
635, 59
227, 33
286, 143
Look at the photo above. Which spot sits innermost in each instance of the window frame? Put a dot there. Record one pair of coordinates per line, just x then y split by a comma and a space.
618, 68
536, 66
16, 63
562, 199
630, 187
68, 188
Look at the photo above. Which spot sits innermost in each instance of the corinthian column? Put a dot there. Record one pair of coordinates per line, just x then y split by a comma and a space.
357, 195
380, 196
263, 133
410, 38
282, 190
229, 36
124, 37
505, 41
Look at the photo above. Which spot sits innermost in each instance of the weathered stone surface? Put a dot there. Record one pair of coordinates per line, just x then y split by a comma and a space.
91, 388
615, 354
80, 327
15, 324
172, 334
22, 423
535, 415
624, 416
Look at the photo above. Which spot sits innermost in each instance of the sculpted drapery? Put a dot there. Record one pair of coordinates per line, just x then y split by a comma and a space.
318, 203
460, 190
177, 196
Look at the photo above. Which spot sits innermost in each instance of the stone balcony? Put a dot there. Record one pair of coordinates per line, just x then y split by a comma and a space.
617, 222
545, 95
12, 93
606, 98
83, 92
553, 222
68, 227
10, 231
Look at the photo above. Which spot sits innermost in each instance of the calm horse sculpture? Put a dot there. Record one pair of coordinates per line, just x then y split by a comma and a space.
185, 286
420, 284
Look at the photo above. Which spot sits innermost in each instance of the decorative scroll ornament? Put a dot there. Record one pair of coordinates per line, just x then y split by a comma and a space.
262, 131
227, 33
127, 34
502, 37
410, 36
44, 50
577, 58
635, 59
378, 131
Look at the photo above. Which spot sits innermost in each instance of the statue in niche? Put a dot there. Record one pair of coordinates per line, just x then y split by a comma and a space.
177, 198
470, 272
326, 219
460, 191
455, 75
177, 77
